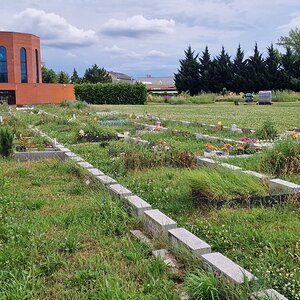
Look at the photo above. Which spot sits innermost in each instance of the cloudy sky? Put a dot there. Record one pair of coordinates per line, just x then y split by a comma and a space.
145, 37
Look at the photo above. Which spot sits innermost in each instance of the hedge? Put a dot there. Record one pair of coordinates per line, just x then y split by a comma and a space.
111, 93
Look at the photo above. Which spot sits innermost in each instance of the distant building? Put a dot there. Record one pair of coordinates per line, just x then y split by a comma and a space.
159, 85
21, 72
120, 77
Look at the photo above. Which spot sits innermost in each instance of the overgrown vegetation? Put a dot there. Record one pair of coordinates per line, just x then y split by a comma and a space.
6, 141
267, 131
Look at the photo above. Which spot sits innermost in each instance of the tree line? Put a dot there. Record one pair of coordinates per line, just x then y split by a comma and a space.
276, 71
94, 74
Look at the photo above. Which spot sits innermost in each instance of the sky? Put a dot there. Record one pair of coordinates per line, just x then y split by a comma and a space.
141, 38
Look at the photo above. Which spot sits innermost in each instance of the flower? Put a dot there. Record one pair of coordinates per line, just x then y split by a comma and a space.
294, 135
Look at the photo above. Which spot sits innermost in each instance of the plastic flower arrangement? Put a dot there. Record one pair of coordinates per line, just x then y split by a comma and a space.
294, 135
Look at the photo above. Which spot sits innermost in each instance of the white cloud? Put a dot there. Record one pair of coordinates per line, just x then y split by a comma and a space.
137, 26
53, 29
294, 22
70, 54
115, 50
156, 53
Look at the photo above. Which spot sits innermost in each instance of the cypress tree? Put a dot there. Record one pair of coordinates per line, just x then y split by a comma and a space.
205, 71
187, 78
239, 80
256, 71
272, 69
75, 79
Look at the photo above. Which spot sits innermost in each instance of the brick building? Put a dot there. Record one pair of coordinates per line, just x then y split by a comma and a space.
21, 73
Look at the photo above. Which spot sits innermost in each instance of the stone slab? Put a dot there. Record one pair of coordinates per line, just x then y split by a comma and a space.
105, 180
140, 236
95, 172
207, 162
85, 164
231, 167
166, 257
279, 187
76, 158
256, 174
226, 268
181, 236
119, 190
270, 293
38, 155
70, 154
158, 223
137, 205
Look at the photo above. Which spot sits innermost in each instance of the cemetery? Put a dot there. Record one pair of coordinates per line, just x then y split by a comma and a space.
235, 215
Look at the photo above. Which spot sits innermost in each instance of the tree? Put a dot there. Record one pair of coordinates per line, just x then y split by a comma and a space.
272, 69
222, 71
205, 71
187, 79
63, 77
292, 41
239, 80
256, 71
288, 71
75, 79
49, 75
96, 74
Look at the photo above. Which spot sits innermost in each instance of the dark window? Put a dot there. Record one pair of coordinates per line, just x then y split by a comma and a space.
37, 66
3, 65
23, 62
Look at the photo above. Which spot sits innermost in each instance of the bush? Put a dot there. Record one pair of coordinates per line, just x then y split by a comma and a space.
6, 141
283, 159
267, 131
111, 93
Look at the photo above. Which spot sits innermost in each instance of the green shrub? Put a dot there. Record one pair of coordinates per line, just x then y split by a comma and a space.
111, 93
6, 141
267, 131
282, 159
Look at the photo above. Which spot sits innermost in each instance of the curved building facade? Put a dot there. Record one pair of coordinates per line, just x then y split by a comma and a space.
21, 72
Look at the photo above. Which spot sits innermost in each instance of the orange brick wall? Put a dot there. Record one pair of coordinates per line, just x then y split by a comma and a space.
43, 93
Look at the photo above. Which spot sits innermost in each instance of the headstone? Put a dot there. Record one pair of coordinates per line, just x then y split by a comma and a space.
265, 97
270, 294
137, 205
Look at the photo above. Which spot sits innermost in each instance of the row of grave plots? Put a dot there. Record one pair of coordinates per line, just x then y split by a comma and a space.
233, 211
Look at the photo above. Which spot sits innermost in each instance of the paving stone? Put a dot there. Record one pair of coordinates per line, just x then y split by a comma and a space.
279, 187
226, 267
270, 293
70, 154
256, 174
76, 158
95, 172
166, 256
207, 162
119, 190
231, 167
137, 205
158, 223
140, 236
181, 236
105, 180
85, 164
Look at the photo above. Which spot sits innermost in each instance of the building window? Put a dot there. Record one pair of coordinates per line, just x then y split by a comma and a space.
3, 65
23, 63
37, 66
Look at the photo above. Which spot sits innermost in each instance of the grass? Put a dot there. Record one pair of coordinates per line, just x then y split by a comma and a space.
284, 115
270, 235
63, 239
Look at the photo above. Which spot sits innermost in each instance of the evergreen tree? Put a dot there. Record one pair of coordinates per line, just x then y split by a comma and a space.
96, 74
222, 71
49, 75
187, 78
205, 70
289, 68
256, 71
239, 80
63, 77
75, 79
272, 69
